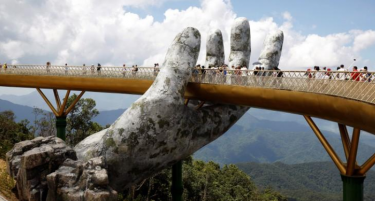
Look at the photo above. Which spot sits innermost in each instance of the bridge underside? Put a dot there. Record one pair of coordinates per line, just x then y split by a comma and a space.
349, 112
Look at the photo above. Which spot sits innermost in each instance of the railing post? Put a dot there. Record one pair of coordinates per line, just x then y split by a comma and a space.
352, 187
60, 127
177, 188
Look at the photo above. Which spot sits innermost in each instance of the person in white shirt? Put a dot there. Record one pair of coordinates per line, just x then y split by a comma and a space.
66, 69
342, 75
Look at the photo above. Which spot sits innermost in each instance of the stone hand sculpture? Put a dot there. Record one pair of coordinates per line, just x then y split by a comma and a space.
159, 130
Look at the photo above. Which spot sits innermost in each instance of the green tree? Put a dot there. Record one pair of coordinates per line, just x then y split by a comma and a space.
44, 123
202, 181
79, 120
12, 132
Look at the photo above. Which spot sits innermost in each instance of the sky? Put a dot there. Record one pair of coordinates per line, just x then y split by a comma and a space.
324, 33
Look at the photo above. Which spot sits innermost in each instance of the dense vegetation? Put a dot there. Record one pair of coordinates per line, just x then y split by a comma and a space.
79, 120
203, 181
12, 132
304, 182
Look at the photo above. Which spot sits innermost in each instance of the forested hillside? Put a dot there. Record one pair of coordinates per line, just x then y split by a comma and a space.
304, 182
254, 140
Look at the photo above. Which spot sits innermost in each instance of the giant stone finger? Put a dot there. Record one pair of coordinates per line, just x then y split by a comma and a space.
240, 47
271, 53
215, 49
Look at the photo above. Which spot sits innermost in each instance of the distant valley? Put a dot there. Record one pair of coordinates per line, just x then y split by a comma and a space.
304, 182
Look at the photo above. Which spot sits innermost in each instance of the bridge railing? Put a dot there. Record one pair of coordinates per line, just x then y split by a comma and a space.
357, 85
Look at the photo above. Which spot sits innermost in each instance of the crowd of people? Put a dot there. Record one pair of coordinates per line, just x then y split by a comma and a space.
341, 73
200, 72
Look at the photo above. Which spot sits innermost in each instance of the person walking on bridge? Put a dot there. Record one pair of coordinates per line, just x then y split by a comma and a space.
355, 75
84, 69
123, 70
92, 68
98, 69
342, 75
5, 66
66, 68
48, 66
366, 76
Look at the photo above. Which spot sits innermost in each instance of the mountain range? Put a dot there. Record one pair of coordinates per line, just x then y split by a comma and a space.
104, 101
265, 141
304, 182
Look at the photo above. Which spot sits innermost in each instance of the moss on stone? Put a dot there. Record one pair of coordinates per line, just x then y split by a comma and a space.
163, 123
109, 142
121, 131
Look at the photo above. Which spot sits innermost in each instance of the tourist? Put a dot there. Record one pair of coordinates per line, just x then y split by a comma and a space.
84, 69
48, 66
134, 69
256, 71
366, 76
99, 69
156, 68
5, 66
317, 73
355, 75
327, 75
92, 68
66, 68
342, 73
123, 70
308, 73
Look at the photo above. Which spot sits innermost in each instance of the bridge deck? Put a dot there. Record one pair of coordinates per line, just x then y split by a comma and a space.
341, 98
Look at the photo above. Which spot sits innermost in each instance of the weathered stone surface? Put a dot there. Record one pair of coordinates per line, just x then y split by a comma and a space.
215, 49
76, 180
240, 47
158, 129
29, 162
271, 53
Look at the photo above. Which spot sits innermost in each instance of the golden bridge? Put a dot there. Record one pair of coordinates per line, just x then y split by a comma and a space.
347, 98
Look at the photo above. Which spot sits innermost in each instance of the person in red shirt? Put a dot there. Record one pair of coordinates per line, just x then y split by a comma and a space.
355, 75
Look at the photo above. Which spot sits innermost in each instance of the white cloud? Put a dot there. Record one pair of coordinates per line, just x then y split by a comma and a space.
287, 16
92, 31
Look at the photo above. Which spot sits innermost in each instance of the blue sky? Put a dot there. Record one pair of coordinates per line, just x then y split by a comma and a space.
327, 16
320, 17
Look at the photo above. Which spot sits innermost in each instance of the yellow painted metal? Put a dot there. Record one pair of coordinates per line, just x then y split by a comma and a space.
74, 103
47, 101
345, 139
57, 98
61, 111
353, 152
326, 145
187, 101
367, 165
344, 111
200, 105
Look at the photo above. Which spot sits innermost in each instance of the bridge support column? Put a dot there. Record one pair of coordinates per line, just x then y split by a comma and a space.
177, 188
352, 187
62, 110
352, 175
61, 127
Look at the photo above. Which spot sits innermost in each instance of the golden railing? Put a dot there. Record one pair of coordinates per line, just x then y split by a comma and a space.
357, 85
